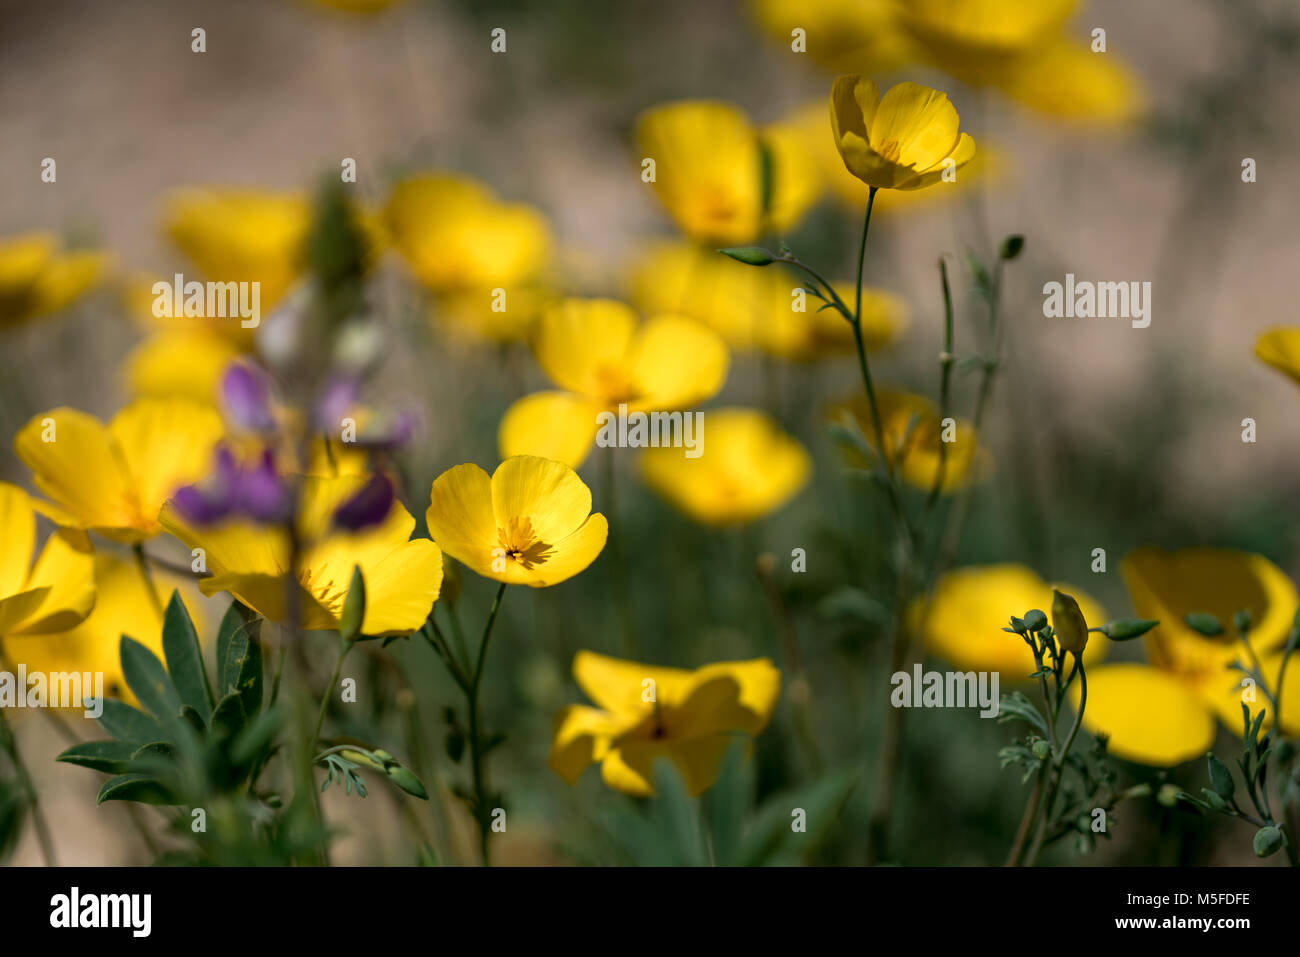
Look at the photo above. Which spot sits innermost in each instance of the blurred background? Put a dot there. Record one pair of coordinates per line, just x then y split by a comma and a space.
1101, 435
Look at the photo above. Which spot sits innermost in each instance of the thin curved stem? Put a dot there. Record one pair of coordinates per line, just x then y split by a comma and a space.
475, 742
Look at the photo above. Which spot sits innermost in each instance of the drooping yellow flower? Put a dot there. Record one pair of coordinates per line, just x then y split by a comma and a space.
241, 235
1163, 713
179, 364
38, 278
746, 469
1280, 348
50, 594
709, 171
403, 576
906, 139
647, 713
970, 606
114, 479
913, 433
530, 523
841, 35
123, 606
596, 352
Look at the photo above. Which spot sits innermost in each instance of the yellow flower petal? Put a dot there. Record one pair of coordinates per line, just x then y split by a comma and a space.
914, 126
549, 495
18, 532
628, 688
1151, 717
165, 444
582, 346
186, 365
676, 362
401, 588
1065, 79
729, 696
1280, 348
65, 571
629, 766
841, 35
460, 516
580, 737
552, 425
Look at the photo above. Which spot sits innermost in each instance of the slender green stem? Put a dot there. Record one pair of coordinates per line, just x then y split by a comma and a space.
344, 648
481, 810
1058, 769
10, 743
142, 563
945, 386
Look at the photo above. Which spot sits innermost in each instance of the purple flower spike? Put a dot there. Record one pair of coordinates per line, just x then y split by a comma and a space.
368, 506
336, 402
261, 493
246, 397
198, 507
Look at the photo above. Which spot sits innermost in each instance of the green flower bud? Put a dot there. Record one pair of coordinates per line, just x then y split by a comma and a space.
750, 255
1169, 794
354, 608
1125, 629
1204, 623
1041, 749
1267, 841
1068, 623
1035, 619
1011, 247
1241, 621
407, 781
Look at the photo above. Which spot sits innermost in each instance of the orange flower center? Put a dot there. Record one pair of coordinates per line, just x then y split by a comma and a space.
520, 543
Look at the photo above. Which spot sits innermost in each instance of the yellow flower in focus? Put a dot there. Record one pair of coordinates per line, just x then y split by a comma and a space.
123, 606
905, 139
403, 576
595, 351
709, 171
913, 433
747, 468
646, 713
969, 608
38, 278
185, 365
1280, 348
114, 479
841, 35
530, 523
241, 235
1163, 713
50, 594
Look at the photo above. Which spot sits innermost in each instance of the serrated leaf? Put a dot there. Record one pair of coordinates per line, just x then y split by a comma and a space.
184, 658
112, 757
134, 787
129, 724
148, 680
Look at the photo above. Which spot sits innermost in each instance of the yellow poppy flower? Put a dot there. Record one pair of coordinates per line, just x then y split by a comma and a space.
748, 468
646, 713
113, 479
38, 278
1163, 713
913, 432
530, 523
709, 171
403, 576
684, 279
241, 235
840, 34
595, 351
1280, 348
51, 593
494, 315
1067, 80
970, 606
123, 606
906, 139
974, 39
184, 365
455, 235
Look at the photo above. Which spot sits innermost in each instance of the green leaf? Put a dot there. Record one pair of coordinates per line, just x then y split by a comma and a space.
134, 787
129, 724
185, 658
1016, 706
772, 838
1221, 777
354, 607
148, 679
112, 757
228, 718
1204, 623
728, 804
239, 657
676, 815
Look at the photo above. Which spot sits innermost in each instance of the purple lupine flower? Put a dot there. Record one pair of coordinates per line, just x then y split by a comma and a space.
368, 506
246, 397
259, 493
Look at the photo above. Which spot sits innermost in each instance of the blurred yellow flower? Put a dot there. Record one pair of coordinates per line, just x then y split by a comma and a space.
814, 332
906, 139
1280, 348
123, 606
37, 277
45, 593
708, 171
184, 365
403, 576
1163, 713
595, 351
241, 235
649, 713
748, 467
913, 432
530, 523
1066, 80
114, 479
970, 606
358, 6
841, 35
